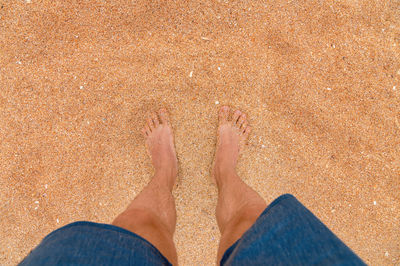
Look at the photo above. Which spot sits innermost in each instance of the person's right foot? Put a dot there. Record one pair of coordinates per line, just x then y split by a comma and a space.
160, 146
232, 135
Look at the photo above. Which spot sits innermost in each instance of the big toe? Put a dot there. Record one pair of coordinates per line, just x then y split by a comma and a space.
164, 116
223, 114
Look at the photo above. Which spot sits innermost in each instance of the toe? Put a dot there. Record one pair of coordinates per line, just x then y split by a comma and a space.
144, 132
223, 114
150, 124
244, 126
155, 120
164, 116
241, 120
246, 132
236, 116
147, 130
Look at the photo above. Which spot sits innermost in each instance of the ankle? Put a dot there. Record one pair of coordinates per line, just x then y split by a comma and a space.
224, 174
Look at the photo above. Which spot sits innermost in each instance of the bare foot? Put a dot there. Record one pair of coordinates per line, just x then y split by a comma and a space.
160, 145
232, 135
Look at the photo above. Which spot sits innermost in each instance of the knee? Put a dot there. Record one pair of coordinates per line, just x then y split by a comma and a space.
245, 217
148, 225
137, 218
252, 212
144, 217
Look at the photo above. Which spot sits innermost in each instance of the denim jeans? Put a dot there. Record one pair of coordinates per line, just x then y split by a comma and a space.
286, 233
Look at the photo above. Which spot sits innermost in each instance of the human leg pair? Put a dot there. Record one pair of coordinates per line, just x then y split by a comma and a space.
152, 213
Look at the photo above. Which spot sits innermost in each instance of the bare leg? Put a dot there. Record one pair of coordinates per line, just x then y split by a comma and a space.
238, 205
152, 213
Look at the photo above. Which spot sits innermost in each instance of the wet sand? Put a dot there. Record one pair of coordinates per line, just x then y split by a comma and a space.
320, 83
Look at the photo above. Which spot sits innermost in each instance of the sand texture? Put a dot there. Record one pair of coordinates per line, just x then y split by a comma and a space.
319, 81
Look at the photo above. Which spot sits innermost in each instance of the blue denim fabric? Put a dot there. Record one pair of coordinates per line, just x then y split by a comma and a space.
286, 233
86, 243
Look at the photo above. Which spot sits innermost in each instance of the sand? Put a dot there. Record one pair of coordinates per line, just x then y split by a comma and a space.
319, 81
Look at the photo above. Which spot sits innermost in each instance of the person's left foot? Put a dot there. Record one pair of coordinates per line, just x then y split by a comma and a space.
160, 145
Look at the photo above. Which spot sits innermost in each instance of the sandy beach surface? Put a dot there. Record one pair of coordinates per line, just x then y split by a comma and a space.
319, 81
